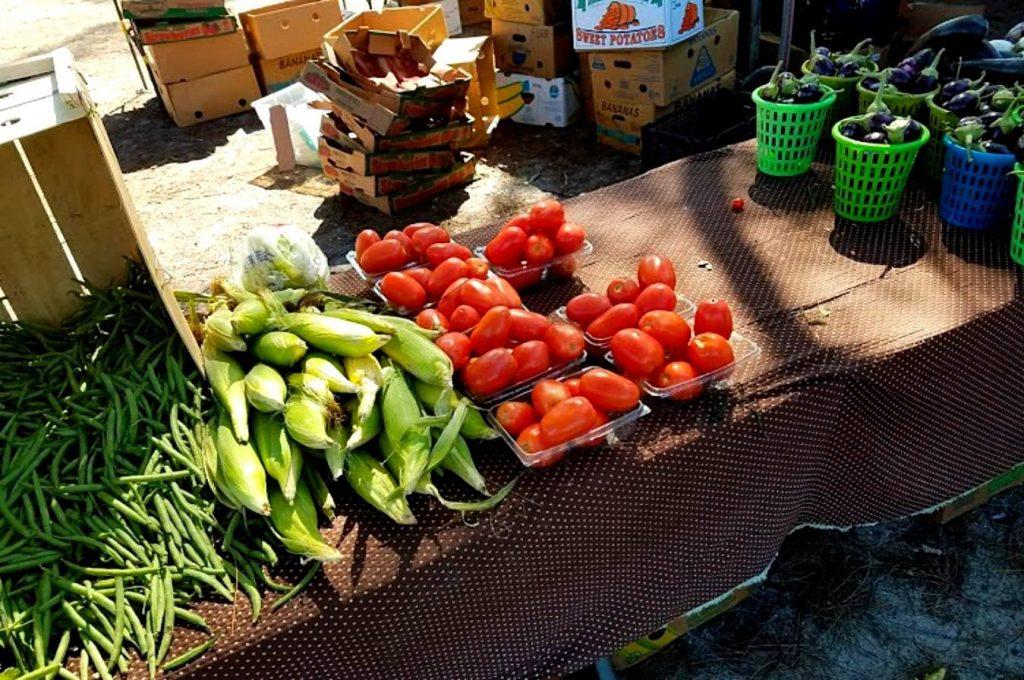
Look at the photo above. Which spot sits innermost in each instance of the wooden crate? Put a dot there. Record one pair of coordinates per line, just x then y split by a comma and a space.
68, 215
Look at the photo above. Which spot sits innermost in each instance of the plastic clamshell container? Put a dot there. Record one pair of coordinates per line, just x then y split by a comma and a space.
524, 386
744, 351
350, 257
614, 431
684, 308
540, 271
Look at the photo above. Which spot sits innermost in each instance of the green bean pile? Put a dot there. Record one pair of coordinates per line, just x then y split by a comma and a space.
107, 530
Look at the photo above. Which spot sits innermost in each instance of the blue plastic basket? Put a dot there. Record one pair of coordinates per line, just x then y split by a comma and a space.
976, 194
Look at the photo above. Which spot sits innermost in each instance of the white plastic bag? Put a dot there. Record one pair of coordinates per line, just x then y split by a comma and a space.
278, 257
303, 120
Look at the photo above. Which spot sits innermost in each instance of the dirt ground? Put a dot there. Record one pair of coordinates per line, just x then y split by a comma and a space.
892, 601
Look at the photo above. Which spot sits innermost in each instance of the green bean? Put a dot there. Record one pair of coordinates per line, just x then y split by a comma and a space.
168, 624
41, 672
32, 562
41, 621
154, 477
106, 571
229, 533
97, 659
119, 621
188, 656
83, 665
303, 582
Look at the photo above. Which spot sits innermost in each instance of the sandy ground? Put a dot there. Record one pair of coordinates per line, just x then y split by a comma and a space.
894, 601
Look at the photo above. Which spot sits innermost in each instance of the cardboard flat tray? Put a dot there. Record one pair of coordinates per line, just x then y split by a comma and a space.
381, 185
345, 127
364, 163
420, 192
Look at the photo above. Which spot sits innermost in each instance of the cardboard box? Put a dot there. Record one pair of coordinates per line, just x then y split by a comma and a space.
193, 59
173, 9
619, 123
423, 21
471, 12
155, 33
276, 74
210, 97
554, 102
542, 51
359, 162
621, 25
420, 192
289, 28
380, 185
587, 88
475, 56
345, 127
449, 8
664, 76
536, 12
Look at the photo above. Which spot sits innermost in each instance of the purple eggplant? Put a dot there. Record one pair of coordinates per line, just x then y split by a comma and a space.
808, 93
871, 84
824, 66
875, 138
989, 118
963, 103
847, 69
851, 131
901, 77
1018, 150
995, 147
989, 90
878, 121
929, 76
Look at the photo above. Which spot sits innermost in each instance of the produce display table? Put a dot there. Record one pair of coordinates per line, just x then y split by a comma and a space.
889, 381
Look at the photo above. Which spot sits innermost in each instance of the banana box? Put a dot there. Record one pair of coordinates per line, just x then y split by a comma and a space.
634, 24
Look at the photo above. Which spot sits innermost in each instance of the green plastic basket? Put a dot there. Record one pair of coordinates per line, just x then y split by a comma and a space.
899, 104
934, 154
870, 178
788, 134
1017, 236
846, 92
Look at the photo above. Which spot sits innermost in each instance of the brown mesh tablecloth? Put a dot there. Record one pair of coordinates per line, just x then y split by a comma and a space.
908, 395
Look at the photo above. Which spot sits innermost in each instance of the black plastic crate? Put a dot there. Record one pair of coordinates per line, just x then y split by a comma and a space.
717, 119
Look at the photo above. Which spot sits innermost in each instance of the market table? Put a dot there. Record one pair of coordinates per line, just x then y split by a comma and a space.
889, 381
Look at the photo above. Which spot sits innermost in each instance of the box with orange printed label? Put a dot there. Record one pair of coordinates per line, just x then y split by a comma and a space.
634, 24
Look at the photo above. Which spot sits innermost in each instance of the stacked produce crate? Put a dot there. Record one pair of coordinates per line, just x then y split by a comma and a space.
397, 116
198, 57
286, 35
628, 88
533, 47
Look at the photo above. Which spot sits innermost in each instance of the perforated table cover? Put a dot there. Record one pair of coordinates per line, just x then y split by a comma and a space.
908, 394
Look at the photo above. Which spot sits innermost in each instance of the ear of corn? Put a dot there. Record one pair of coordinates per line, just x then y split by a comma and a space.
460, 462
282, 460
311, 386
442, 401
318, 490
420, 357
374, 484
446, 440
375, 322
364, 413
228, 383
410, 439
306, 422
265, 389
224, 286
296, 525
362, 369
333, 335
279, 348
334, 455
219, 331
330, 370
240, 475
250, 316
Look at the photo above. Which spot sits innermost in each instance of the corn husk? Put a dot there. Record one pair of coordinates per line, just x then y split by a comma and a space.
420, 357
460, 462
409, 438
295, 523
250, 316
330, 370
306, 422
265, 389
311, 386
335, 454
239, 473
449, 434
279, 348
281, 459
376, 486
333, 335
227, 379
364, 415
441, 401
381, 323
426, 486
321, 495
218, 330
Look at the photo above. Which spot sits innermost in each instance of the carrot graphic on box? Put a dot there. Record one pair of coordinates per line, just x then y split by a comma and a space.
690, 17
618, 17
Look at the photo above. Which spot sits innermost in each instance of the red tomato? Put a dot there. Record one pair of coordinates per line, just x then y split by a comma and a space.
636, 352
478, 268
521, 221
602, 419
481, 296
656, 296
713, 316
566, 343
421, 274
609, 391
547, 394
547, 216
567, 420
395, 235
491, 373
426, 237
365, 239
656, 269
539, 249
622, 290
569, 238
384, 256
433, 320
439, 252
465, 317
456, 346
403, 292
614, 320
563, 268
506, 249
669, 329
492, 331
416, 226
709, 352
738, 204
528, 325
573, 385
532, 359
510, 294
531, 441
451, 298
515, 416
524, 279
445, 274
586, 307
676, 373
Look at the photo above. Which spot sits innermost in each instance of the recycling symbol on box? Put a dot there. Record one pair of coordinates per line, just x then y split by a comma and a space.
705, 67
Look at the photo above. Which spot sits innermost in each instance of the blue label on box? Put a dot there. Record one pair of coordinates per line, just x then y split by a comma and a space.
705, 68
